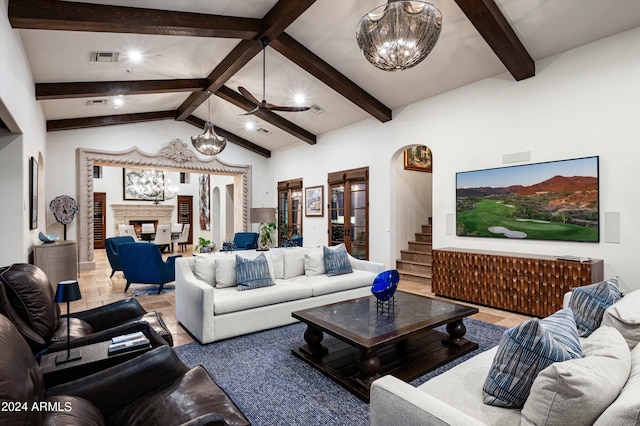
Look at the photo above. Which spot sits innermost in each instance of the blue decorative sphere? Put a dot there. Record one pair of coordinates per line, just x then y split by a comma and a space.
385, 284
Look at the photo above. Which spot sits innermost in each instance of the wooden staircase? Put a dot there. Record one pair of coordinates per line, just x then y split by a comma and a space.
415, 263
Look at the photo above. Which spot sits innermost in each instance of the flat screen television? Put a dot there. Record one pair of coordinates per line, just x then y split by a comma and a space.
555, 200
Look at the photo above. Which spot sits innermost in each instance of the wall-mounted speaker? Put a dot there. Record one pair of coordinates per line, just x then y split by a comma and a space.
450, 224
611, 227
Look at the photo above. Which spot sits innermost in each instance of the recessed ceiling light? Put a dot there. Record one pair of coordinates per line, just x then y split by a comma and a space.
299, 99
135, 56
248, 125
118, 102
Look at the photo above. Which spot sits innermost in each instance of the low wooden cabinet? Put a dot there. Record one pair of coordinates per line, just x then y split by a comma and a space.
529, 284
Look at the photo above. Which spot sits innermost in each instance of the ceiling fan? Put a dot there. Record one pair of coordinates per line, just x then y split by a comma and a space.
264, 105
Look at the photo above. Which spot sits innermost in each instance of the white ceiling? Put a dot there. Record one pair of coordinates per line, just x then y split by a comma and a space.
327, 28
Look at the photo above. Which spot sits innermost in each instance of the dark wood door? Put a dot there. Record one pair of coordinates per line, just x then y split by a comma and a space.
99, 219
349, 211
185, 213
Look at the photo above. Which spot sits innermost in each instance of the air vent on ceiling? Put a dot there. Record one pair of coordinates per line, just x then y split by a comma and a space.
97, 102
316, 109
104, 57
263, 131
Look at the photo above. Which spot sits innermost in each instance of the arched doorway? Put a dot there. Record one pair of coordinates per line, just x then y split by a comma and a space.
176, 155
411, 203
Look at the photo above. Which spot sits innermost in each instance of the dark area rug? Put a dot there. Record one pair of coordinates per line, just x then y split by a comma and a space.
272, 387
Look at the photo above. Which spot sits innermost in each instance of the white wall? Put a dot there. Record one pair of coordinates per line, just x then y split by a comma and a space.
582, 102
23, 115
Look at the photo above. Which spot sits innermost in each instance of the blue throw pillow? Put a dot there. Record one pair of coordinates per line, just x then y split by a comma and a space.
524, 351
336, 261
252, 274
589, 303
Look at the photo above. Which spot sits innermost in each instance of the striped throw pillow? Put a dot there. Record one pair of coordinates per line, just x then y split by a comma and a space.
523, 352
253, 273
336, 261
589, 303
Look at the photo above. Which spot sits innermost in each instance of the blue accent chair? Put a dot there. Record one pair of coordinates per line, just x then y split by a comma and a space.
142, 263
245, 240
111, 247
296, 241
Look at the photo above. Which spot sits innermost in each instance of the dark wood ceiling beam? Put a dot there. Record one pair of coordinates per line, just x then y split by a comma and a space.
310, 62
114, 88
273, 24
240, 101
231, 64
73, 16
107, 120
192, 119
495, 29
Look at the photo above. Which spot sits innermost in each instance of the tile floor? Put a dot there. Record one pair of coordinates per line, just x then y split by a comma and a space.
98, 289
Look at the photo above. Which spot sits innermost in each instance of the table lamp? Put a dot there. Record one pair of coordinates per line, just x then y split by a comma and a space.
68, 291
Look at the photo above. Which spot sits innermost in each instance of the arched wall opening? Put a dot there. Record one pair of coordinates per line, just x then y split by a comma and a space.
411, 203
175, 156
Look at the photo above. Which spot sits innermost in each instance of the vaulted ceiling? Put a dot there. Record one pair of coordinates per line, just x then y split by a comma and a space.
191, 48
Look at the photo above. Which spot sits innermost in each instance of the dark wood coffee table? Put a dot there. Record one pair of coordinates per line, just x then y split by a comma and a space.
368, 343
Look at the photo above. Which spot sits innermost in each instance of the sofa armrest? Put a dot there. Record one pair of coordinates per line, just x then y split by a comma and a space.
114, 388
194, 301
394, 402
108, 316
103, 335
366, 265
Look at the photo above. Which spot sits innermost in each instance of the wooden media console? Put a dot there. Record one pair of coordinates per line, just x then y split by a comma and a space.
529, 284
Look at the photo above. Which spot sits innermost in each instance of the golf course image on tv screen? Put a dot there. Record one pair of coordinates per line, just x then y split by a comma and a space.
555, 200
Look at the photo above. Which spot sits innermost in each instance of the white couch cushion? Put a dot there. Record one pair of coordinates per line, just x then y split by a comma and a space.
624, 316
625, 410
276, 260
205, 268
225, 270
314, 262
461, 387
323, 284
293, 262
579, 390
227, 300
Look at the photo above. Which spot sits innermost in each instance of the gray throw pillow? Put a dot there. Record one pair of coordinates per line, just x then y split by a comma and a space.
336, 261
589, 303
252, 274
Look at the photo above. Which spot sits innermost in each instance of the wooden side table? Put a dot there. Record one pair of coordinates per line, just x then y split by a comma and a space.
95, 358
59, 260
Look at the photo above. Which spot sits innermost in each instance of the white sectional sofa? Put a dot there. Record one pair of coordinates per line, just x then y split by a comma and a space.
565, 393
211, 308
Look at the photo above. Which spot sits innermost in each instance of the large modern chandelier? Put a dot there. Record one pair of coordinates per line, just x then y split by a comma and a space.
399, 34
209, 143
149, 185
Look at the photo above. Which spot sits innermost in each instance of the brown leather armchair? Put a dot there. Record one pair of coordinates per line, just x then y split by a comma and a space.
27, 299
155, 388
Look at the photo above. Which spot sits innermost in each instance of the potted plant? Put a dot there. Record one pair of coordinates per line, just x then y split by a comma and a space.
264, 238
204, 246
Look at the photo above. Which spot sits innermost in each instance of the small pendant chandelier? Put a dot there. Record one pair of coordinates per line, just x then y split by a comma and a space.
400, 34
209, 143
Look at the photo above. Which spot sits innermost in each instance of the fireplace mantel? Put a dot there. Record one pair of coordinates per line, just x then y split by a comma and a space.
123, 213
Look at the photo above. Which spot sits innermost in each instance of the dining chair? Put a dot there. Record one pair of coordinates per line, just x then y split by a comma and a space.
184, 237
163, 237
128, 230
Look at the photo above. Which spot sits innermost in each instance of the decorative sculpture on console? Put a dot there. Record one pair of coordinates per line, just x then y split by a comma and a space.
64, 209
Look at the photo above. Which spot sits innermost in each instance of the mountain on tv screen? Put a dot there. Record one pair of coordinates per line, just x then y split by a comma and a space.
556, 200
